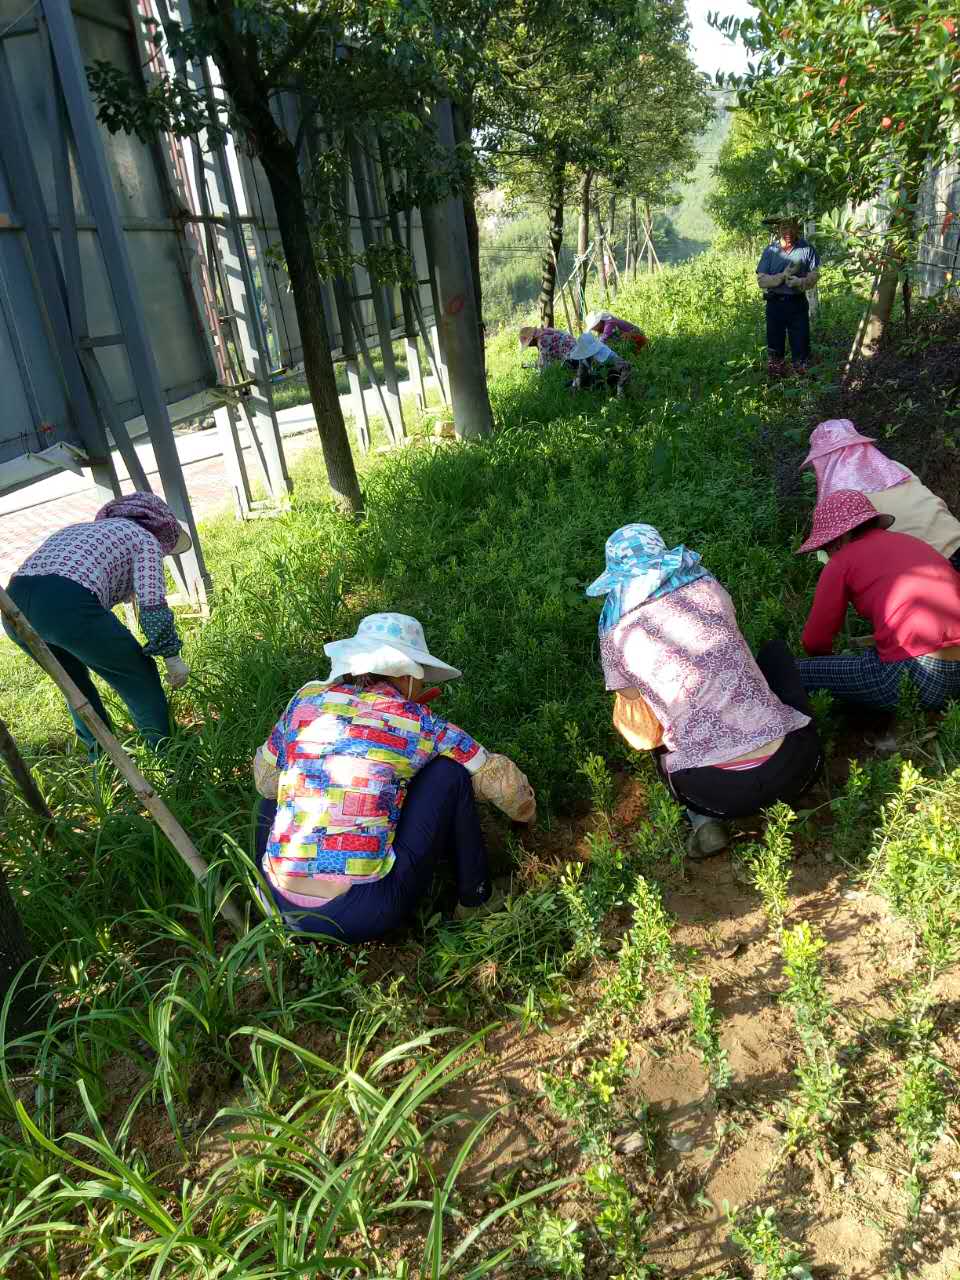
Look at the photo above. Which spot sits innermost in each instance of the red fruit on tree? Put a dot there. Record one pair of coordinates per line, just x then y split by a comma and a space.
886, 122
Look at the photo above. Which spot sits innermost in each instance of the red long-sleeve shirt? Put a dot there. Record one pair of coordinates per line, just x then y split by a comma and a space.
908, 591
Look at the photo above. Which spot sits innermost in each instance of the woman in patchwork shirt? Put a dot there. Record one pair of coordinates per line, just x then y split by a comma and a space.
69, 586
733, 734
366, 790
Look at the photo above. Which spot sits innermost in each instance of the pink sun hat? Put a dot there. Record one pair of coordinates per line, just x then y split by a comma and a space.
835, 433
842, 511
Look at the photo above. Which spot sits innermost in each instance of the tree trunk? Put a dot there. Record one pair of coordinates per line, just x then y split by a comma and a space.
286, 188
635, 234
612, 222
236, 57
877, 316
21, 773
583, 237
462, 131
648, 227
906, 292
458, 322
602, 255
15, 952
548, 267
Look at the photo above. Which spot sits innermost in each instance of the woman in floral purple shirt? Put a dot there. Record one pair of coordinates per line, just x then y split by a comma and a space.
67, 589
553, 345
733, 734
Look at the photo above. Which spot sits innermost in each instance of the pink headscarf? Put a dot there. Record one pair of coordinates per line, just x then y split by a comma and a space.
844, 459
149, 512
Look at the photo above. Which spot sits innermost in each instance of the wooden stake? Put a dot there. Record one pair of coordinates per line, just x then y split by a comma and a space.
21, 773
141, 788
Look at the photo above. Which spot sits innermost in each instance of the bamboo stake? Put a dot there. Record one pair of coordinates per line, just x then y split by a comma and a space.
141, 788
21, 774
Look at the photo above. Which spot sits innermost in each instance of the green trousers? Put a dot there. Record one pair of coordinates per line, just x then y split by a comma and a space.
86, 637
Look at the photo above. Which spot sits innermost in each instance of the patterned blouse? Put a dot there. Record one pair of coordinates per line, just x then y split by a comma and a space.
685, 654
118, 561
345, 754
553, 346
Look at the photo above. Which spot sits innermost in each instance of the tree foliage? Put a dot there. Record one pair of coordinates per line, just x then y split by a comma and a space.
861, 99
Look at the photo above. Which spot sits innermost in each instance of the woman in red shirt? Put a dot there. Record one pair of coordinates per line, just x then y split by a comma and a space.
906, 590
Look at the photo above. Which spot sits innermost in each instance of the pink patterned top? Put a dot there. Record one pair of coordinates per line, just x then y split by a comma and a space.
685, 654
553, 345
117, 561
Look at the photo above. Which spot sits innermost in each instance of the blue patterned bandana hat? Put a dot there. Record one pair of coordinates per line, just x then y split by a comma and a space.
641, 568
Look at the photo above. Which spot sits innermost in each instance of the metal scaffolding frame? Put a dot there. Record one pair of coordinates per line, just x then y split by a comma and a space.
90, 368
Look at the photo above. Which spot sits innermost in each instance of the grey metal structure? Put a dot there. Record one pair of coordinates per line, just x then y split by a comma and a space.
137, 282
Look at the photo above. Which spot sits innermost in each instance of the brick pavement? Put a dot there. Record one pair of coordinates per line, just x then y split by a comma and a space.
22, 531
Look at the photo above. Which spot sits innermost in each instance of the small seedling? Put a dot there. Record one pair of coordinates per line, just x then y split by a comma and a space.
647, 948
761, 1241
768, 863
821, 1077
589, 1104
552, 1243
705, 1026
921, 1114
620, 1223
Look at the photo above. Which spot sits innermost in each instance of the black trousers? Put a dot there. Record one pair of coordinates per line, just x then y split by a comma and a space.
729, 793
788, 315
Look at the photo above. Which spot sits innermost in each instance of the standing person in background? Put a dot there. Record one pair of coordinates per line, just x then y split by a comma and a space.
68, 588
553, 345
367, 791
611, 328
844, 459
786, 270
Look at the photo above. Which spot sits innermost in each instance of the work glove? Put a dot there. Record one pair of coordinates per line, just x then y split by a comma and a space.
796, 282
178, 673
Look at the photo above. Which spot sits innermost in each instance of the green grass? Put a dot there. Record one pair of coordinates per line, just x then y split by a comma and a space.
319, 1083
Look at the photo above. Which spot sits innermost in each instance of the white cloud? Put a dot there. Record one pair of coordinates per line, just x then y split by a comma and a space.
712, 51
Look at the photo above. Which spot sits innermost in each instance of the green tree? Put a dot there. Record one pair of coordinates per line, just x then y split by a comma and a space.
748, 184
352, 66
866, 98
553, 99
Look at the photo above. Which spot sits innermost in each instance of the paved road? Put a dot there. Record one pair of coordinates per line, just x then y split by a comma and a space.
33, 513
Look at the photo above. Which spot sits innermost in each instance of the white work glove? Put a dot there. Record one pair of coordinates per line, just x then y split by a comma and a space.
178, 673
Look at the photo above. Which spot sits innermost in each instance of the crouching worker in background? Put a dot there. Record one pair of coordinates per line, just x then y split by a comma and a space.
906, 590
367, 791
597, 365
610, 328
844, 459
69, 587
732, 735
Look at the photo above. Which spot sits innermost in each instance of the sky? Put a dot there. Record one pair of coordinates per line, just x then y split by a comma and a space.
712, 51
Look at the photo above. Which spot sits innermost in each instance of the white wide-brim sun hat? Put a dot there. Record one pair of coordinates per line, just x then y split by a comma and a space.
387, 644
589, 347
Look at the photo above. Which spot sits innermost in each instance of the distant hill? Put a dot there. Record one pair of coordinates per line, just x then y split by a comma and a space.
691, 218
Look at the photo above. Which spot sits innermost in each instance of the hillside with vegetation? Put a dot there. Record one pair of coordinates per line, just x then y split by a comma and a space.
638, 1066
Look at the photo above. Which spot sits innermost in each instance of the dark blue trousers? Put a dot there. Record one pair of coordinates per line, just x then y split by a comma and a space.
438, 823
788, 315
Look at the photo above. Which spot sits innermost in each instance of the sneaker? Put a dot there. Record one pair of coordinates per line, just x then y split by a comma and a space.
709, 838
493, 903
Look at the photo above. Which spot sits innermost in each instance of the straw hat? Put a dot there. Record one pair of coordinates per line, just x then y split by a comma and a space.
842, 511
827, 437
595, 318
387, 644
527, 335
